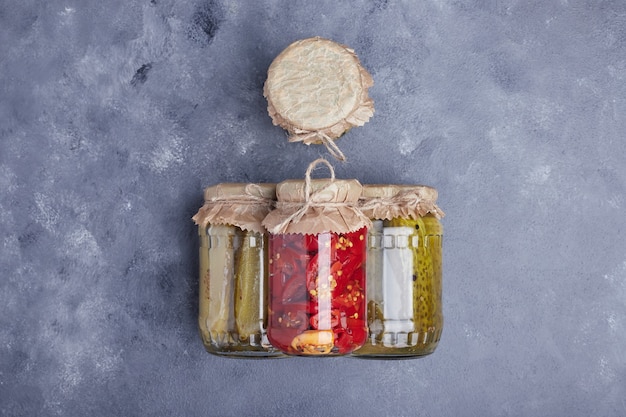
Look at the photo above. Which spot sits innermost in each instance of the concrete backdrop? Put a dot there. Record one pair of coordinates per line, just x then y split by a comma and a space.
115, 115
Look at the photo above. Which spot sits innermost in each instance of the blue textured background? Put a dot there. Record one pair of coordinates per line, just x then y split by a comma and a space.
115, 115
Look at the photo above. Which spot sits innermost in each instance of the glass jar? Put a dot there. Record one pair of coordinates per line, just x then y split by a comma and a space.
317, 249
233, 270
404, 271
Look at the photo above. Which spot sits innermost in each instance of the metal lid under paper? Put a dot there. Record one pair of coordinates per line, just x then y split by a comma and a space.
239, 204
388, 201
316, 89
314, 206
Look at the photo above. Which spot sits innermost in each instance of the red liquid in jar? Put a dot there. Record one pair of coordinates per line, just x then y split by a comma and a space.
317, 293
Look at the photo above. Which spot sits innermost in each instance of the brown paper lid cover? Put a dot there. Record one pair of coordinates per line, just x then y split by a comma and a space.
244, 205
388, 201
331, 206
317, 89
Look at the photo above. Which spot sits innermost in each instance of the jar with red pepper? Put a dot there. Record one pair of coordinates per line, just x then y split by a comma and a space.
233, 269
317, 250
404, 271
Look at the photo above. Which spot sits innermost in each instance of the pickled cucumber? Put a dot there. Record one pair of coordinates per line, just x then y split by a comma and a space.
421, 277
249, 281
427, 312
203, 299
219, 281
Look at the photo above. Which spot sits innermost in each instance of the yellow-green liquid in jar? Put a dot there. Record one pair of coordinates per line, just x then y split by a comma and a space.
406, 321
232, 297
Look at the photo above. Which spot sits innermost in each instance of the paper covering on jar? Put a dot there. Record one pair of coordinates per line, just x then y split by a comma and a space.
317, 90
330, 206
237, 204
388, 201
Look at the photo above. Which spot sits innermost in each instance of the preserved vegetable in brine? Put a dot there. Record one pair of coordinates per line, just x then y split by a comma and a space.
317, 287
232, 314
249, 273
216, 307
426, 273
404, 308
317, 266
404, 272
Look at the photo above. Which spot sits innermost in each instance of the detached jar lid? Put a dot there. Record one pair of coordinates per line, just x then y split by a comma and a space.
388, 201
317, 90
238, 204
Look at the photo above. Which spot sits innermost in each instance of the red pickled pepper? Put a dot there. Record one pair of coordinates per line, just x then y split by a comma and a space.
318, 283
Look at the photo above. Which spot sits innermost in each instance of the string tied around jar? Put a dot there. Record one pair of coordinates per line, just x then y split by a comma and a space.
334, 215
411, 202
244, 205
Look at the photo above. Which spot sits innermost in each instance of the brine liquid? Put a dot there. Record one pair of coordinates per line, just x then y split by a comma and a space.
317, 293
233, 298
404, 288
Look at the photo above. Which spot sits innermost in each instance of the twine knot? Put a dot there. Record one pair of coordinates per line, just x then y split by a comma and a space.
309, 198
314, 137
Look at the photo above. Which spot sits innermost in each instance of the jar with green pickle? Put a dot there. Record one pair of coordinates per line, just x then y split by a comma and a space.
404, 271
232, 314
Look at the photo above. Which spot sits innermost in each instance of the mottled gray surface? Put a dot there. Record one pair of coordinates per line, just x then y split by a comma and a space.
115, 115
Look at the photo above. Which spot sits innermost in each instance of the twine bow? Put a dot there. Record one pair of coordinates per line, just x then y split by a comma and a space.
405, 203
309, 199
